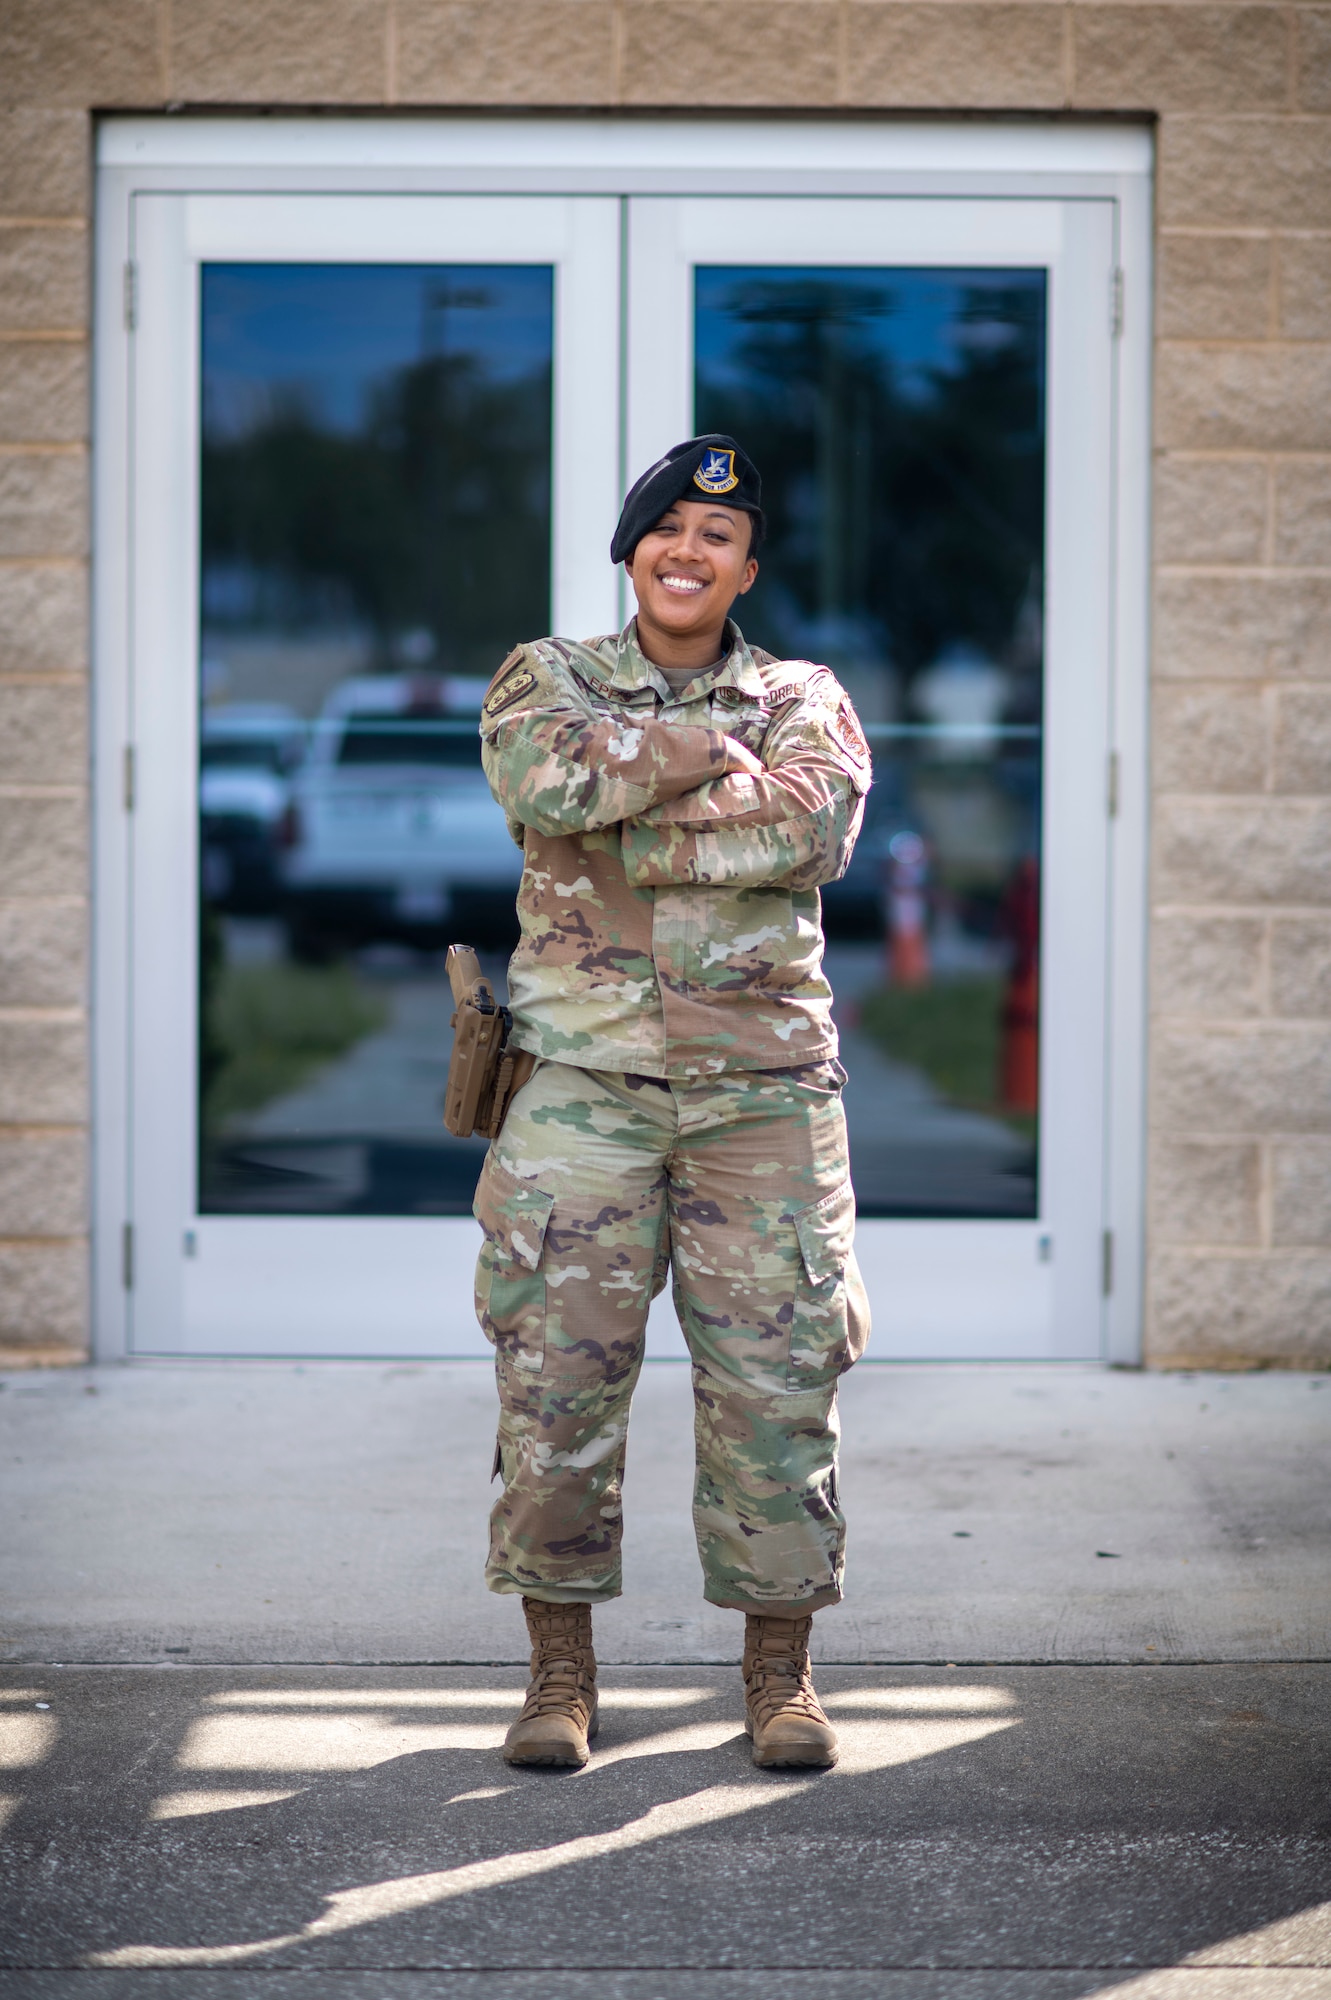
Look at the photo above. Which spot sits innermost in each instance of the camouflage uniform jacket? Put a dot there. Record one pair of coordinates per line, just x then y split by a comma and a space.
669, 903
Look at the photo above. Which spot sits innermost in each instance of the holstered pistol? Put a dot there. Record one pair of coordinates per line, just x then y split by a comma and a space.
484, 1074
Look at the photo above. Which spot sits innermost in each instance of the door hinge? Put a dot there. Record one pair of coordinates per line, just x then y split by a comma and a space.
1111, 785
1106, 1262
1116, 301
127, 1256
131, 299
128, 775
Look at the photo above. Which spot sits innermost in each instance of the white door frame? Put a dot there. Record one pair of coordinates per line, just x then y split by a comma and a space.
1004, 164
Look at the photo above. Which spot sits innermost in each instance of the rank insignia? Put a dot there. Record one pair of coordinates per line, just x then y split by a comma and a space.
717, 472
508, 690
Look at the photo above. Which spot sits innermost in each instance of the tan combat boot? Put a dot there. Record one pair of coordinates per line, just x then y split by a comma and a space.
559, 1714
784, 1718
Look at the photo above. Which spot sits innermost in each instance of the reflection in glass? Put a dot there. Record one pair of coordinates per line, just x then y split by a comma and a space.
898, 418
376, 532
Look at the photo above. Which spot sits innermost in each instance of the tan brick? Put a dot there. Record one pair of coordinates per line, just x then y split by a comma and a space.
1174, 58
1242, 628
1304, 287
43, 392
1208, 738
44, 1294
43, 847
901, 53
1302, 760
43, 618
1209, 1310
1303, 512
1301, 1192
43, 1178
43, 503
1213, 287
1205, 1192
1274, 398
1313, 58
43, 279
79, 52
1301, 967
43, 733
1207, 965
43, 954
527, 52
301, 52
1243, 850
43, 1073
1227, 173
45, 163
1251, 1080
1209, 510
682, 52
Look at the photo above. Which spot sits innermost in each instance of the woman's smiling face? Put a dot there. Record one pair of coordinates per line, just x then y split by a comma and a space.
688, 570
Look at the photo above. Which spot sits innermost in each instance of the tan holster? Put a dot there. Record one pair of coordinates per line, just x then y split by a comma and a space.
484, 1074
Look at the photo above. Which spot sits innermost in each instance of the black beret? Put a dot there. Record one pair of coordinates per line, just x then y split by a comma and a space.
712, 467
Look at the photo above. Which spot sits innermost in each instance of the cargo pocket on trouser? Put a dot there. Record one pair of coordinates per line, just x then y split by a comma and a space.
830, 1330
510, 1273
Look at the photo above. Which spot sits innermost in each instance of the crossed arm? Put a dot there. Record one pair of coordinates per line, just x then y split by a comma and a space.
693, 804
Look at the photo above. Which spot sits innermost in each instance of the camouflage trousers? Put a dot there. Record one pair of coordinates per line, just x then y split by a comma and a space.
601, 1184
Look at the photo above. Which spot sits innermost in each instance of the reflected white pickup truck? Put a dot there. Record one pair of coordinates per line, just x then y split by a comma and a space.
390, 833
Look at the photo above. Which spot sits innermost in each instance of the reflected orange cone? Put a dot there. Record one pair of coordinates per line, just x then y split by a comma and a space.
907, 909
1019, 1056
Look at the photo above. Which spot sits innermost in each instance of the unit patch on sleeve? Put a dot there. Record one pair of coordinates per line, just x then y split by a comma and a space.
847, 726
509, 686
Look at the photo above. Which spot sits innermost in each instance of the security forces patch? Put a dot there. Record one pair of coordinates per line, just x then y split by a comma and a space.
717, 472
508, 689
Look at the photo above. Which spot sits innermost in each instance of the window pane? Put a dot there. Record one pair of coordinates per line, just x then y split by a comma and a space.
898, 419
376, 536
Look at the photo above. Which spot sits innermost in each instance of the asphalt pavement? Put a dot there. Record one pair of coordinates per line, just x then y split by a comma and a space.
253, 1693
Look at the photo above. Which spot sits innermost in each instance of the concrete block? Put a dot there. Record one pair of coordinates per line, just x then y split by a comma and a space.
1208, 738
43, 1072
1205, 1192
43, 1183
43, 954
1303, 287
1272, 398
43, 733
529, 52
45, 162
1213, 287
1303, 510
1207, 965
1209, 510
43, 503
1255, 1080
43, 392
1312, 27
1169, 58
1301, 967
677, 52
1242, 628
303, 52
43, 618
1302, 749
80, 52
954, 54
1212, 1310
44, 279
1225, 173
1301, 1192
43, 846
44, 1294
1230, 850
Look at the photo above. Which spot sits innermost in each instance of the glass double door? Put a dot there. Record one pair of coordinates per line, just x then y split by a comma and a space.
378, 440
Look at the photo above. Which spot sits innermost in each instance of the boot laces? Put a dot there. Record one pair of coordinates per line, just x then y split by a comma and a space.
560, 1685
784, 1687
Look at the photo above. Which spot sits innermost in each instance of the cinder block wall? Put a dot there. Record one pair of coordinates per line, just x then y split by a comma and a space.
1240, 1099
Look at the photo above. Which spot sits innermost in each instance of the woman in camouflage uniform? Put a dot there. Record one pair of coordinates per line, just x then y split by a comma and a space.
679, 797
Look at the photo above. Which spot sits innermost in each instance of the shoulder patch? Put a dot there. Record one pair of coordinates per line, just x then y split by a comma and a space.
510, 684
846, 724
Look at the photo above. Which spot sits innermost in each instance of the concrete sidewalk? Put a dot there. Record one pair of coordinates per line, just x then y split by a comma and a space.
283, 1801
